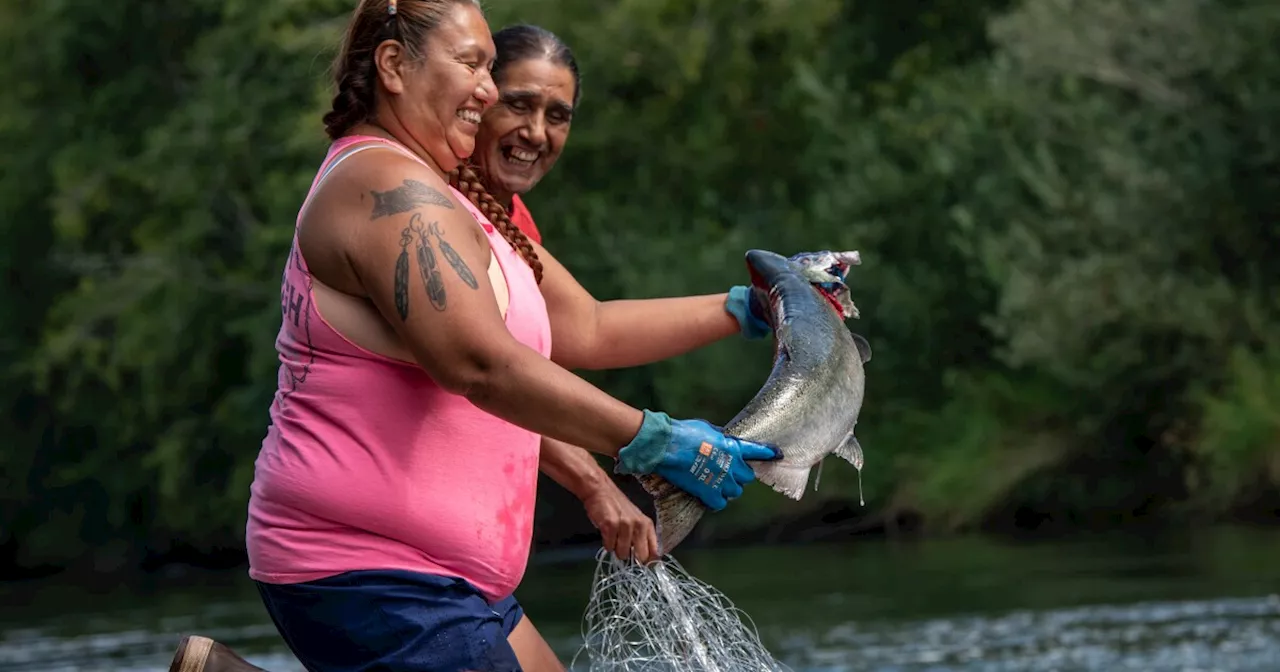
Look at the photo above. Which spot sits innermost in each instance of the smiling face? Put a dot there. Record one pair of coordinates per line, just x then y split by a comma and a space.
522, 136
439, 94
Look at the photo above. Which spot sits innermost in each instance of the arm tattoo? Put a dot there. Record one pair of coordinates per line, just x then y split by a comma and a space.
407, 197
428, 267
432, 281
454, 259
402, 274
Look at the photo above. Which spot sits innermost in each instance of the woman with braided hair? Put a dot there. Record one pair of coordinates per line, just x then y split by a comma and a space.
522, 136
519, 141
392, 501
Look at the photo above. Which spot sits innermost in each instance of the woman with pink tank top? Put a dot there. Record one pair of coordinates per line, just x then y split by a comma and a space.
424, 355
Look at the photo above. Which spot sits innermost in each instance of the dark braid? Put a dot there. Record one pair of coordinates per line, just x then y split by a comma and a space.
515, 43
353, 104
464, 179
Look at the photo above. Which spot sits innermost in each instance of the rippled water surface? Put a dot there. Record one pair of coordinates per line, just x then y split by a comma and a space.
1187, 602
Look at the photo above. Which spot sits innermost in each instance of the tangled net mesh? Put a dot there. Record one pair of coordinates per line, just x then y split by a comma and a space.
660, 617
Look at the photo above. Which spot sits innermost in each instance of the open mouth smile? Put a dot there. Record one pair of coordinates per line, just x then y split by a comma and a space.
519, 157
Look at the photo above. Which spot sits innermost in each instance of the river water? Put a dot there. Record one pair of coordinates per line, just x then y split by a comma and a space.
1191, 601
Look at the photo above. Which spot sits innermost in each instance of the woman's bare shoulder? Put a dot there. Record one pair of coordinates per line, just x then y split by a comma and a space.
383, 182
364, 203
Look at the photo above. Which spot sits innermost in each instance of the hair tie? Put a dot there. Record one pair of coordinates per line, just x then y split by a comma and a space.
391, 7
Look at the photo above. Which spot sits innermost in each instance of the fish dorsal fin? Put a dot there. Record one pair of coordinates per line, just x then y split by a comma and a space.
864, 348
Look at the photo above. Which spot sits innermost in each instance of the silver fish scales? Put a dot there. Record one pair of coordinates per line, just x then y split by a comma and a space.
809, 405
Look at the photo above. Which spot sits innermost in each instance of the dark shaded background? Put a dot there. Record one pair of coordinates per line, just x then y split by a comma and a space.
1067, 212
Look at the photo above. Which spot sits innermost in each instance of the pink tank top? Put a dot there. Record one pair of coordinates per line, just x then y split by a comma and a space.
368, 464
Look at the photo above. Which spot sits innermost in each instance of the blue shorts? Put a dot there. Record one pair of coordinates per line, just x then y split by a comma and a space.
393, 621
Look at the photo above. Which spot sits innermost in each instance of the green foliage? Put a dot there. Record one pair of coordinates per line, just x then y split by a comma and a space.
1240, 442
970, 455
1065, 208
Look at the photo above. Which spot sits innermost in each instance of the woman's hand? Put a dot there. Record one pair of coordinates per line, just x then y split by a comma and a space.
695, 456
624, 529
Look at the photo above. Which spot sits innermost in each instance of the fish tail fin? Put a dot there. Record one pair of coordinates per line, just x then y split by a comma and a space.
783, 478
851, 451
676, 511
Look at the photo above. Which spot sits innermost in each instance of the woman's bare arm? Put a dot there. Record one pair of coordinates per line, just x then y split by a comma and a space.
573, 468
591, 334
416, 252
624, 528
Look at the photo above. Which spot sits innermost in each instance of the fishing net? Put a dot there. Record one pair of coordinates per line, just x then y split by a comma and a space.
659, 618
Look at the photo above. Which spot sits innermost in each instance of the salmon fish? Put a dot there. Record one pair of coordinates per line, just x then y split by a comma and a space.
808, 406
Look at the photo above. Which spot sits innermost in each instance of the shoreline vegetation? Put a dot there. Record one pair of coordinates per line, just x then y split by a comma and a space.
820, 521
1066, 212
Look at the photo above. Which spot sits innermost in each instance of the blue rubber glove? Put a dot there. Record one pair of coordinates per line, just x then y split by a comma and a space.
743, 305
694, 456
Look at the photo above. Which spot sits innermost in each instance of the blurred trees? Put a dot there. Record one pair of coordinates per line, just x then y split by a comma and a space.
1066, 208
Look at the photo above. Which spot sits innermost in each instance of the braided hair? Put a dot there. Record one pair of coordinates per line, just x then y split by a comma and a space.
515, 44
464, 179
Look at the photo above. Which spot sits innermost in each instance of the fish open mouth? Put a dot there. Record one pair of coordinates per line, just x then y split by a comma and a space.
827, 272
834, 299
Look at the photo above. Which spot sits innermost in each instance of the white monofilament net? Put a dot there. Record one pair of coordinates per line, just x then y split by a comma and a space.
658, 618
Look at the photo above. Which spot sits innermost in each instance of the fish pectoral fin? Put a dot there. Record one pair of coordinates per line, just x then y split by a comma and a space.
786, 479
864, 348
851, 451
